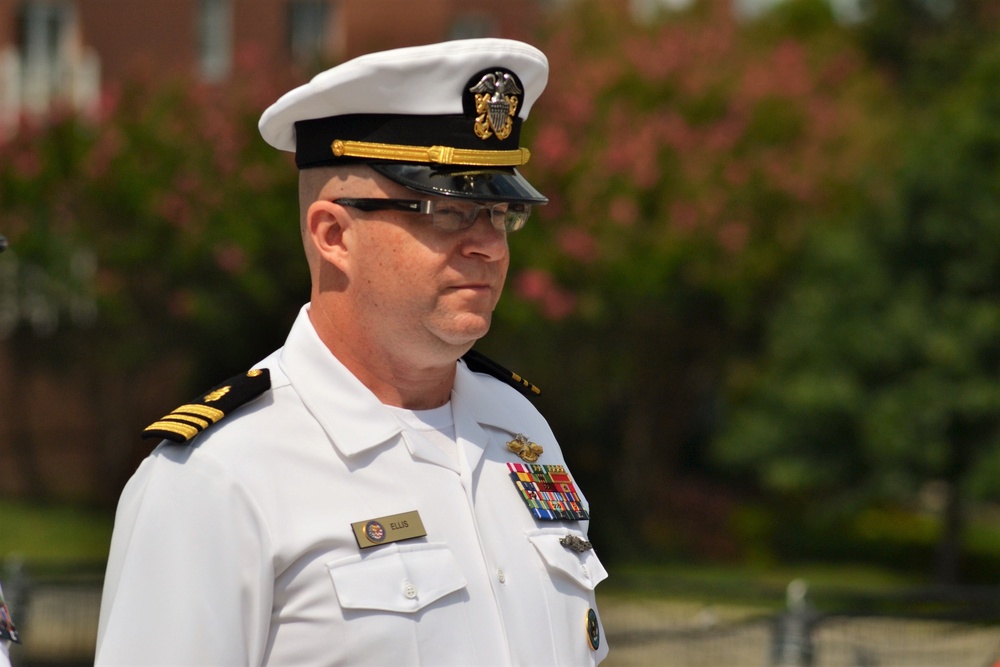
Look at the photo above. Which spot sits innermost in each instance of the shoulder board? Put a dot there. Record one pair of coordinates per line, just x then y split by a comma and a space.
482, 364
194, 417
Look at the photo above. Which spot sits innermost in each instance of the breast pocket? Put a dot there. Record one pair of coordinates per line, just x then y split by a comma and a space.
396, 578
410, 594
582, 567
573, 573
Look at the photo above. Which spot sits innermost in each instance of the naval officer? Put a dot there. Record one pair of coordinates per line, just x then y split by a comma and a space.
374, 492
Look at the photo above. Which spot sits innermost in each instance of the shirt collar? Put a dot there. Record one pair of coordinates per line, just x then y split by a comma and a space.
472, 392
352, 416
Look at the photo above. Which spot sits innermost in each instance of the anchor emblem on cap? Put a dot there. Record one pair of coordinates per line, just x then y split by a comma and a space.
496, 104
528, 451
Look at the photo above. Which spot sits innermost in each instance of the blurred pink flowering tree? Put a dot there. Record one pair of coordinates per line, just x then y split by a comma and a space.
154, 249
683, 160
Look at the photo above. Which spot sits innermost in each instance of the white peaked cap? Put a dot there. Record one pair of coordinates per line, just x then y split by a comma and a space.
420, 115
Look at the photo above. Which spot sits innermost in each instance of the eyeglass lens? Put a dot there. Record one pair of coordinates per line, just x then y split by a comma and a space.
453, 215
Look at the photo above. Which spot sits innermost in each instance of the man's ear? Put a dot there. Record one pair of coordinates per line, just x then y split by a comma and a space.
326, 223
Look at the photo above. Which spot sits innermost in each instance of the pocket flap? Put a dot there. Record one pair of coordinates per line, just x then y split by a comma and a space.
396, 578
583, 568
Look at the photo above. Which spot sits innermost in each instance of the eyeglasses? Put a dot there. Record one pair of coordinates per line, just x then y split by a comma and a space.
449, 214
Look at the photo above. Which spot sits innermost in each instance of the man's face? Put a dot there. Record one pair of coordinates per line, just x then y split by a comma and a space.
421, 289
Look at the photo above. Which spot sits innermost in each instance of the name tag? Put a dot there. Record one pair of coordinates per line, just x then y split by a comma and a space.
386, 529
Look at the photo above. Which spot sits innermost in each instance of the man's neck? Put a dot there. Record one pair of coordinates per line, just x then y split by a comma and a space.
394, 379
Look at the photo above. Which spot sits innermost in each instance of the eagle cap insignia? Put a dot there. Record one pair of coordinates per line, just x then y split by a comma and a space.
496, 102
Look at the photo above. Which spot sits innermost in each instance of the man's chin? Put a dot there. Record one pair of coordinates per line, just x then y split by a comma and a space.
466, 330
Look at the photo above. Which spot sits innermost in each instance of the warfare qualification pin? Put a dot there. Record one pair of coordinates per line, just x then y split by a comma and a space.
528, 451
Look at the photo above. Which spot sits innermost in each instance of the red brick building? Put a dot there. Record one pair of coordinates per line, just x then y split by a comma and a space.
65, 49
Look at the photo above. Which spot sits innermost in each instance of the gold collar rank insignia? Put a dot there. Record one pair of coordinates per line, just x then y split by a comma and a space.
528, 451
213, 396
480, 363
496, 104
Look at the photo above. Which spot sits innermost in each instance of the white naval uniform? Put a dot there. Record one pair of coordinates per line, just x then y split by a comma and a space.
238, 549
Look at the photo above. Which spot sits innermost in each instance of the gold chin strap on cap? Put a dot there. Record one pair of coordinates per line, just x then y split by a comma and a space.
435, 154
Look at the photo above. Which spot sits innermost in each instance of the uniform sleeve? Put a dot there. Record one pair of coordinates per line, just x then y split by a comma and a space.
189, 578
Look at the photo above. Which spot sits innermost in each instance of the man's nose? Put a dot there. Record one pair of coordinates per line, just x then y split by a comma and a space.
486, 236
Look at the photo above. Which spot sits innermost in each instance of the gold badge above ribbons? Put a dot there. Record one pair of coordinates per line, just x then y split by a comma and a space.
528, 451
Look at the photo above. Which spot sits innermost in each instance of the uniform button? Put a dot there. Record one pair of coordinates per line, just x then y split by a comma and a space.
586, 572
409, 590
501, 576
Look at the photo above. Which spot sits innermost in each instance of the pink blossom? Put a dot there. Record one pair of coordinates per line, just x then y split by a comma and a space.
675, 131
578, 244
537, 286
109, 102
182, 304
623, 211
733, 236
789, 67
176, 208
722, 136
553, 148
658, 59
230, 257
633, 147
558, 304
255, 177
684, 216
554, 210
108, 146
532, 284
578, 109
736, 173
27, 164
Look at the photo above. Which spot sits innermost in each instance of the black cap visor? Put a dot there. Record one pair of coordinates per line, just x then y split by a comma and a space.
493, 184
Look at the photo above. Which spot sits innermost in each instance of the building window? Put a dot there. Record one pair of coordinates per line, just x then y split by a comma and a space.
472, 26
47, 64
307, 30
215, 38
44, 33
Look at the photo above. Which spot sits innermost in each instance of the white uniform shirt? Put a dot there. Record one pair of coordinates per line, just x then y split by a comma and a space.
238, 549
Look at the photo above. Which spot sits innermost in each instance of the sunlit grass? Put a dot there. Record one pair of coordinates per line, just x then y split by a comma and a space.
50, 534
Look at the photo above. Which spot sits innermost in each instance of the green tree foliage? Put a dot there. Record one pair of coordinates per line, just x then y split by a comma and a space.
160, 233
167, 213
684, 160
926, 44
882, 370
